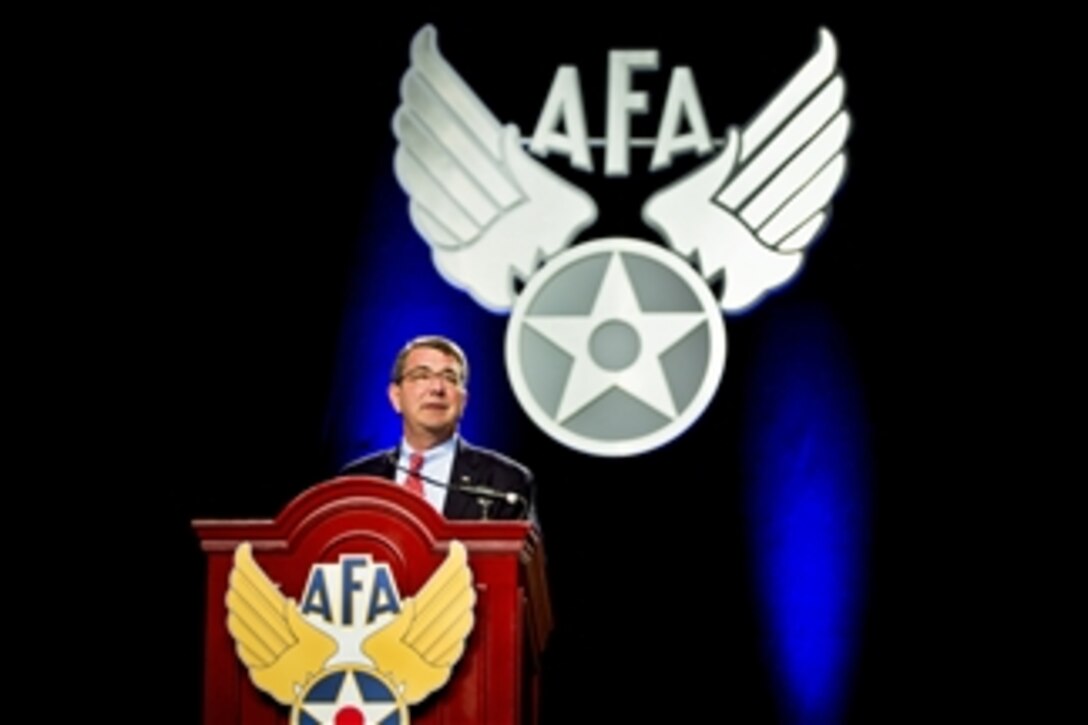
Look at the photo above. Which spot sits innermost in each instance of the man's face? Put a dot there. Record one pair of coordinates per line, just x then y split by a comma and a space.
430, 396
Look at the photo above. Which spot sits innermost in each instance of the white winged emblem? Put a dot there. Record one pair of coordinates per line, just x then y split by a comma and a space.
616, 345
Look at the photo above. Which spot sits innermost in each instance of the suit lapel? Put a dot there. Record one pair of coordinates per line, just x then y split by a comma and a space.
459, 505
389, 464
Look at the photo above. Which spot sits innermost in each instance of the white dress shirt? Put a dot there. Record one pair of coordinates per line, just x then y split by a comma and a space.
437, 467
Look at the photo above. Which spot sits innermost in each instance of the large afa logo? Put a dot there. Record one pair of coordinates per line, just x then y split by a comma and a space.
616, 346
351, 650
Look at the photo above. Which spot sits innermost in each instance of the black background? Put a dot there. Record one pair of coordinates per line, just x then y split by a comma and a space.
256, 142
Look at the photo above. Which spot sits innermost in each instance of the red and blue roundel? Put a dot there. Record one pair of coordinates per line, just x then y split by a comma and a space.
350, 695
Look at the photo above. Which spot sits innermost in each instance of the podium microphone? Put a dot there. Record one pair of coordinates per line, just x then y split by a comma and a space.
485, 495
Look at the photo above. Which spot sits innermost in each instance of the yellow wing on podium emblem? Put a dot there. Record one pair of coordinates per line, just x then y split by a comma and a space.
419, 648
281, 649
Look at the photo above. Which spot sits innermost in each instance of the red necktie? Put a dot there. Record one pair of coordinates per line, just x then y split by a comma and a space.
414, 483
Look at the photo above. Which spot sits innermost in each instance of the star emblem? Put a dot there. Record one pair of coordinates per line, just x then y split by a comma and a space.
616, 345
358, 699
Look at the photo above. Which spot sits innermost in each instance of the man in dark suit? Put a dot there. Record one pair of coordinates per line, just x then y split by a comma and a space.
428, 389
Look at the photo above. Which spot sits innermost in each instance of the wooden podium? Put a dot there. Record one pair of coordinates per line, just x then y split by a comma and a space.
496, 681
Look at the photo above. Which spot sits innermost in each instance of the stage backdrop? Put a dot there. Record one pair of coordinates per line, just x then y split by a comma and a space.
700, 332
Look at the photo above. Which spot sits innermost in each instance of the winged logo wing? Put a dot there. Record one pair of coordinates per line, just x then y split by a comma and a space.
750, 212
281, 649
490, 212
419, 648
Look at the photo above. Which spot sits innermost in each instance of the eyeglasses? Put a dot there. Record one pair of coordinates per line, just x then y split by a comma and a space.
425, 374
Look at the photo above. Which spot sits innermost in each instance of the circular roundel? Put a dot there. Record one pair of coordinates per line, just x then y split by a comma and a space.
615, 347
349, 695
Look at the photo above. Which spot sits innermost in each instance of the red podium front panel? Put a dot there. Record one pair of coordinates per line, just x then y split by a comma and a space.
497, 678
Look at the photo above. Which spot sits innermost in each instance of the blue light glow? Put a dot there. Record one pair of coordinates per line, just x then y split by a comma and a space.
395, 294
807, 477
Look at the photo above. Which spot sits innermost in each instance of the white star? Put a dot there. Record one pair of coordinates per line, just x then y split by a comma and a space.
350, 696
636, 368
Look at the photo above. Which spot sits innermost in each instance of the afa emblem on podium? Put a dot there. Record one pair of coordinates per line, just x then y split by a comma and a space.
351, 651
